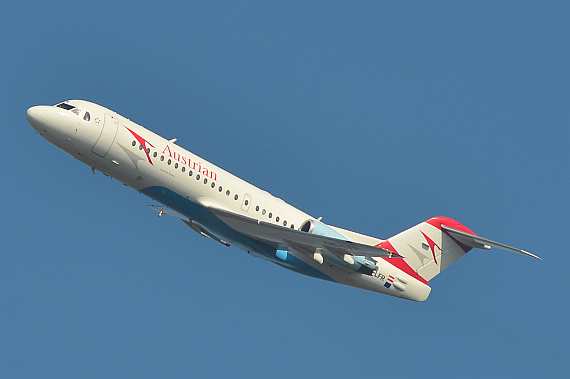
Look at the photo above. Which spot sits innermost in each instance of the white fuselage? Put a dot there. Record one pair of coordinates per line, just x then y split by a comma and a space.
189, 185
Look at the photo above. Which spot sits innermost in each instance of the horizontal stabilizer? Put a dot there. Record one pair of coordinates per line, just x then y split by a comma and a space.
481, 243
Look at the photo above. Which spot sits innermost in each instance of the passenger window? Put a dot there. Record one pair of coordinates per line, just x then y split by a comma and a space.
198, 177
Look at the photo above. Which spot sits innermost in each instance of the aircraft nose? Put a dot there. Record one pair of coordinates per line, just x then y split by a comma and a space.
36, 117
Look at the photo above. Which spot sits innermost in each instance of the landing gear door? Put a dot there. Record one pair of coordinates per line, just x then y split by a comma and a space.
107, 136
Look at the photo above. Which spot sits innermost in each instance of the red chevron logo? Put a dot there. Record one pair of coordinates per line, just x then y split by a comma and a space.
432, 246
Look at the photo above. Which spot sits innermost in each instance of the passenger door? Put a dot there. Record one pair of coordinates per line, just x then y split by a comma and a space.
107, 136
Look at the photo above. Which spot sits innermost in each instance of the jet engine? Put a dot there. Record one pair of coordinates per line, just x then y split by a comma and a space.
321, 229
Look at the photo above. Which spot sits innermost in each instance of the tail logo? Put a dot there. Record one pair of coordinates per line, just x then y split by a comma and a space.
432, 246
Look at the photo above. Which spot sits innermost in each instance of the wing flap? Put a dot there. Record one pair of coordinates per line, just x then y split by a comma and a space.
482, 243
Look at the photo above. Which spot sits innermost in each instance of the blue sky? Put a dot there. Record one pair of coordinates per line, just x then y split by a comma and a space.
374, 115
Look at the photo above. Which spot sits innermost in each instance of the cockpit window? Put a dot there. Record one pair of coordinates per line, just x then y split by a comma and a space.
65, 106
78, 111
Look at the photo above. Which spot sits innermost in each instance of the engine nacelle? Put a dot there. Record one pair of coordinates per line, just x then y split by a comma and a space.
349, 262
321, 229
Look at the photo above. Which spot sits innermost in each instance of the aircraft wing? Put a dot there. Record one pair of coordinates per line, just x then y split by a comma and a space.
280, 237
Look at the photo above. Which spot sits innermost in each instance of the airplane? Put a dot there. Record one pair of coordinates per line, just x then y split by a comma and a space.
229, 210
